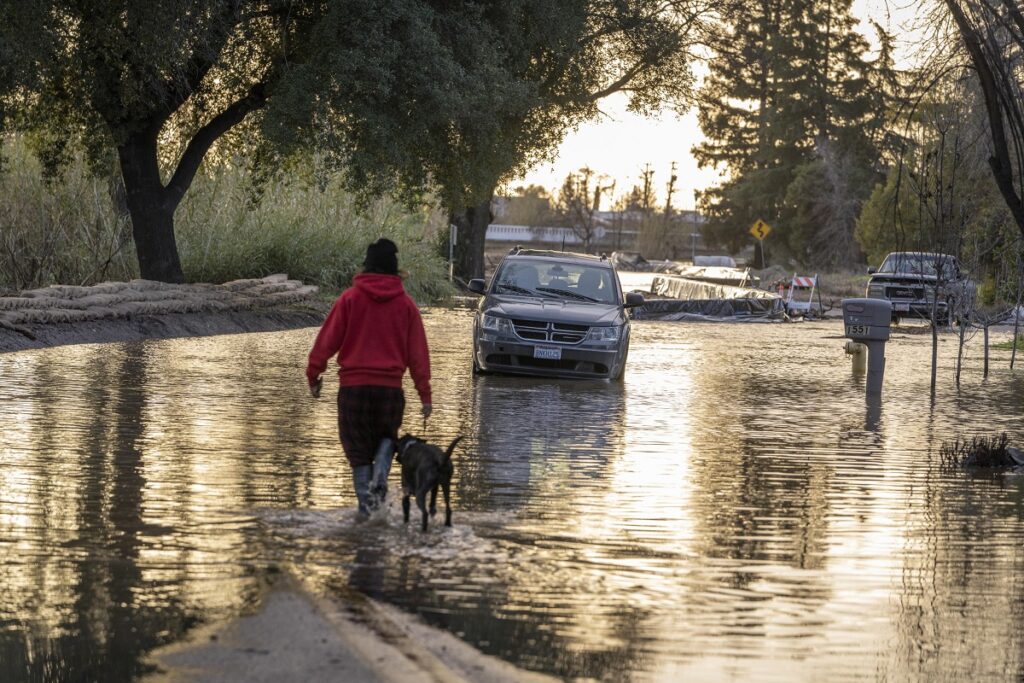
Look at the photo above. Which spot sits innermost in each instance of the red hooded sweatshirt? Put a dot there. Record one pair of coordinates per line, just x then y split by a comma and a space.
376, 331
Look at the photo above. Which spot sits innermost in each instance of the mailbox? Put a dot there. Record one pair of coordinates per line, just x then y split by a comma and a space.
867, 320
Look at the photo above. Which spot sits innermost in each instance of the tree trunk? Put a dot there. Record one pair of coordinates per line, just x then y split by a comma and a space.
472, 224
935, 355
986, 349
151, 211
997, 99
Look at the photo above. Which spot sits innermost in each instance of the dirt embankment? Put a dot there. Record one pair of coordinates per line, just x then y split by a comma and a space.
143, 309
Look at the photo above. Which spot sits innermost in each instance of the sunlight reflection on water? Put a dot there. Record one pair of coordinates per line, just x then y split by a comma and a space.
733, 509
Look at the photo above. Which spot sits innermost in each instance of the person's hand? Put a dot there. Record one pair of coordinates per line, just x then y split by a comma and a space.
314, 389
426, 410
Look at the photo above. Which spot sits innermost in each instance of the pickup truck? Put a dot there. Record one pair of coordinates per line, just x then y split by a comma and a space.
920, 283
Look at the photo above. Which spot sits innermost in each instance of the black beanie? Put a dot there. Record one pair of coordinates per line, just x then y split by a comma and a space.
381, 257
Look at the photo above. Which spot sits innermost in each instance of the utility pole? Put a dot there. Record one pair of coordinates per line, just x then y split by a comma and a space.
693, 232
648, 177
668, 203
671, 189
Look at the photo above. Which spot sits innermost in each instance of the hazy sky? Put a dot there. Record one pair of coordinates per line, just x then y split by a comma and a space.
621, 143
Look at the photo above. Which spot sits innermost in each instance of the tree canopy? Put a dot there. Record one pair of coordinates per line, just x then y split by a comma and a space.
407, 96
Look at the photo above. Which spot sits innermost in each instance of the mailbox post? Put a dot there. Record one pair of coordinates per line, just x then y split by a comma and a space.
867, 322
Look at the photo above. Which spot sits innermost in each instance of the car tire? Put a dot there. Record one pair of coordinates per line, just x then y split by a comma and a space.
621, 374
476, 368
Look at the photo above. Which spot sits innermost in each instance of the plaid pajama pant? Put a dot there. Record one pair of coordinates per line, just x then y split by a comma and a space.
366, 415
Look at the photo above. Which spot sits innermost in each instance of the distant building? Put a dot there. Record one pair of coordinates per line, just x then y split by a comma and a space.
520, 220
525, 234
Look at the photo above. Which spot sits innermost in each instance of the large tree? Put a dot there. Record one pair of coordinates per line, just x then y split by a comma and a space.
573, 54
386, 88
793, 111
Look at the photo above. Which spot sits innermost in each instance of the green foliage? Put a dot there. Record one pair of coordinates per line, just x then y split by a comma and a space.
877, 230
1009, 344
987, 291
941, 195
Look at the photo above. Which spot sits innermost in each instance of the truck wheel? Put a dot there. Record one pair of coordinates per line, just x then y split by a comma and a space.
952, 313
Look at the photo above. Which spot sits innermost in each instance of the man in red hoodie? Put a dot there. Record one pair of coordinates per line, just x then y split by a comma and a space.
376, 331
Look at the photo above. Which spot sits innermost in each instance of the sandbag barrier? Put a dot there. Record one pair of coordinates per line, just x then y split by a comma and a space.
126, 300
683, 299
711, 309
681, 288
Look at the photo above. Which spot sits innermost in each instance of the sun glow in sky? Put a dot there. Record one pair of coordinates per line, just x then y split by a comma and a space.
619, 144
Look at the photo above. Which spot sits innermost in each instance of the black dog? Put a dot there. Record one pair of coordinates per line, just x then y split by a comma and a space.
425, 468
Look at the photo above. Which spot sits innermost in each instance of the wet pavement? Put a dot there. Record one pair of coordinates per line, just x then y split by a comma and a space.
734, 509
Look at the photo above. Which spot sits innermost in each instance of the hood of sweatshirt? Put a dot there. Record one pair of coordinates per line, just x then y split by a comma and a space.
379, 287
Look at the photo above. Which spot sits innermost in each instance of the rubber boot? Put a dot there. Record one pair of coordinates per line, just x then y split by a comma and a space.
381, 469
361, 480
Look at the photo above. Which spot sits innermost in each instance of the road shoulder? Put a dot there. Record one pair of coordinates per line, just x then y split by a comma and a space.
299, 634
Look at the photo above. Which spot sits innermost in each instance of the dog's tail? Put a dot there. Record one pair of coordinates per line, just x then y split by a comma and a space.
451, 448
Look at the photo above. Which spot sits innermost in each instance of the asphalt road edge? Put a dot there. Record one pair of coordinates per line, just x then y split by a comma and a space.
304, 633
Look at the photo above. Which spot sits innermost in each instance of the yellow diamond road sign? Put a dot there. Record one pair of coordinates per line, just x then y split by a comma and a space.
760, 230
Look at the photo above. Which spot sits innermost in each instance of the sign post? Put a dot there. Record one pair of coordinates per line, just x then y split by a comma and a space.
453, 235
760, 230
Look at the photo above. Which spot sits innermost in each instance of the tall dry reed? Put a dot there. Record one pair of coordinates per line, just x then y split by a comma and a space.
63, 230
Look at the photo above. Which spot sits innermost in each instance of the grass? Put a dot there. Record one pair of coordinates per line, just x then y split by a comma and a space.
60, 231
314, 234
67, 231
1008, 345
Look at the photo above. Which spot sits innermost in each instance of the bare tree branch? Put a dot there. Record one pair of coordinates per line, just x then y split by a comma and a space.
207, 135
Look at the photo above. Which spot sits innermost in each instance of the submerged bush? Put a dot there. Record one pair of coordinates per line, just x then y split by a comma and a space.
67, 230
980, 451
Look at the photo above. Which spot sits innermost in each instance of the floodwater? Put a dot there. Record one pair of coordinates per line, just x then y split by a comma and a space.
733, 511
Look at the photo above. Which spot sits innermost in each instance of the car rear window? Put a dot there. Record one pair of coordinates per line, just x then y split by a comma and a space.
578, 281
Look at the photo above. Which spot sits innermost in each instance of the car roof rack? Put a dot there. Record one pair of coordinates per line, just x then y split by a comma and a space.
551, 253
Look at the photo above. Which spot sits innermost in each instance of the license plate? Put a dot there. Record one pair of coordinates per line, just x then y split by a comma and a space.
547, 353
902, 307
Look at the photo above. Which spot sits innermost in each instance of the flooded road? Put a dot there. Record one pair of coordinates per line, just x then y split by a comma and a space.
733, 510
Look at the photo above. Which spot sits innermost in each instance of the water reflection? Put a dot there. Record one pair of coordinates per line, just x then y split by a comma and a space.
736, 508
